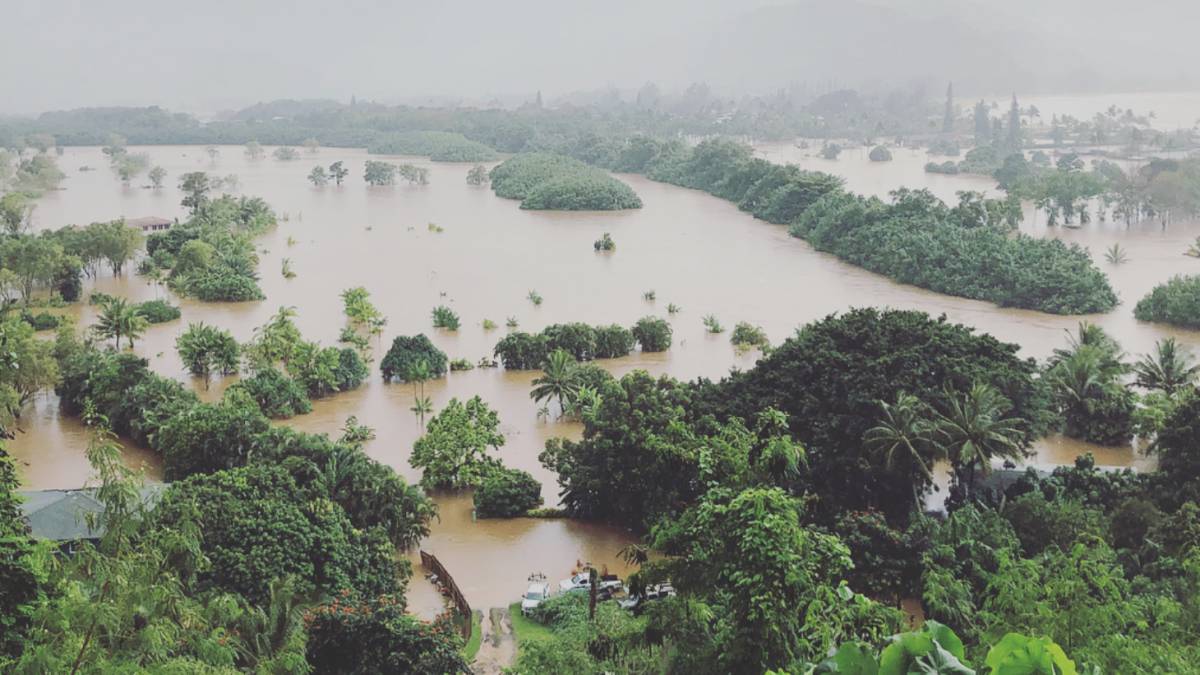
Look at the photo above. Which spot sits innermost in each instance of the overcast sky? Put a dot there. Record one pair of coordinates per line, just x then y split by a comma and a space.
221, 54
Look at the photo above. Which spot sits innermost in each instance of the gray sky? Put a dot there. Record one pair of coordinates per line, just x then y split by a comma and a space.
228, 53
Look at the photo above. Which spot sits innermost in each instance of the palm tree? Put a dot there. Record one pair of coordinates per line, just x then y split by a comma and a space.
421, 407
1169, 369
904, 429
343, 462
973, 431
1111, 357
120, 319
270, 630
418, 374
559, 379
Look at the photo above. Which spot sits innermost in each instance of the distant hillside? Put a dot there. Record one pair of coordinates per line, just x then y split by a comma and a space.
856, 44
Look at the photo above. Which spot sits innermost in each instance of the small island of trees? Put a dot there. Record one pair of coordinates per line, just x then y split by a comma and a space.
556, 182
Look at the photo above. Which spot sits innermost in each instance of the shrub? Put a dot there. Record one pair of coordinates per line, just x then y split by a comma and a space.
158, 311
544, 181
259, 526
461, 364
947, 167
613, 341
653, 334
277, 395
746, 335
521, 351
379, 637
406, 352
577, 339
221, 285
41, 320
208, 438
880, 154
507, 493
605, 243
444, 317
1176, 302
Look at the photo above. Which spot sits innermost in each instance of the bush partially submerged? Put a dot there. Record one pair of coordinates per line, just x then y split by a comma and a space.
555, 182
507, 493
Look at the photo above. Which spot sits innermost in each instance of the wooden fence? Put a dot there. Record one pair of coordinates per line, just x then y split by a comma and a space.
461, 607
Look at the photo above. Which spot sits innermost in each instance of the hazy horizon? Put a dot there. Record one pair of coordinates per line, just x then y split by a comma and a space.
229, 54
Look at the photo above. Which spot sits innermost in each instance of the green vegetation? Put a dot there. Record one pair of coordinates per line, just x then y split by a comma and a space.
57, 261
556, 182
968, 251
1176, 302
778, 506
406, 353
379, 173
440, 146
207, 349
444, 317
960, 246
1116, 255
605, 243
453, 451
652, 334
478, 175
211, 256
880, 153
749, 336
1086, 383
507, 493
276, 395
120, 319
271, 550
476, 639
522, 351
157, 311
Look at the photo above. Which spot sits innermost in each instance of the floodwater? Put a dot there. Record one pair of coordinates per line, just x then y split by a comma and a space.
693, 250
1172, 110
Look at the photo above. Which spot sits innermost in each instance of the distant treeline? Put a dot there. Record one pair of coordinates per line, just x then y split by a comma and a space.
526, 129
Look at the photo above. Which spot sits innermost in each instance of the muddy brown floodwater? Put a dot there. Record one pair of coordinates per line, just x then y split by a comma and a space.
692, 249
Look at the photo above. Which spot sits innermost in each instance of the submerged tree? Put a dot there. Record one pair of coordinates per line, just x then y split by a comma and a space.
205, 349
559, 380
118, 318
453, 453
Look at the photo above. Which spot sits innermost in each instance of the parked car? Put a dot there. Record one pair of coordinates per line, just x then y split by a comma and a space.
606, 586
636, 603
534, 596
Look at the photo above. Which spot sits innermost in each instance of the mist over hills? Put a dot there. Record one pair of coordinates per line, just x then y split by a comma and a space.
406, 52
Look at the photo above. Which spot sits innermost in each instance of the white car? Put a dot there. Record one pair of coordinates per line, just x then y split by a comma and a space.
534, 596
605, 585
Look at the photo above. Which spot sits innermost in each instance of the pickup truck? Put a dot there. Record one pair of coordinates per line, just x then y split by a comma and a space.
606, 585
536, 594
636, 603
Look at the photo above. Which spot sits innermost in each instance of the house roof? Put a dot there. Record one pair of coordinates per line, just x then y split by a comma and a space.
61, 515
147, 221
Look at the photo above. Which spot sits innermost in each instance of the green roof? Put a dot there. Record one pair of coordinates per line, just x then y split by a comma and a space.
61, 515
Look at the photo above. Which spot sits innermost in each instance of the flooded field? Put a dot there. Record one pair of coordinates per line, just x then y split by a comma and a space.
693, 250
